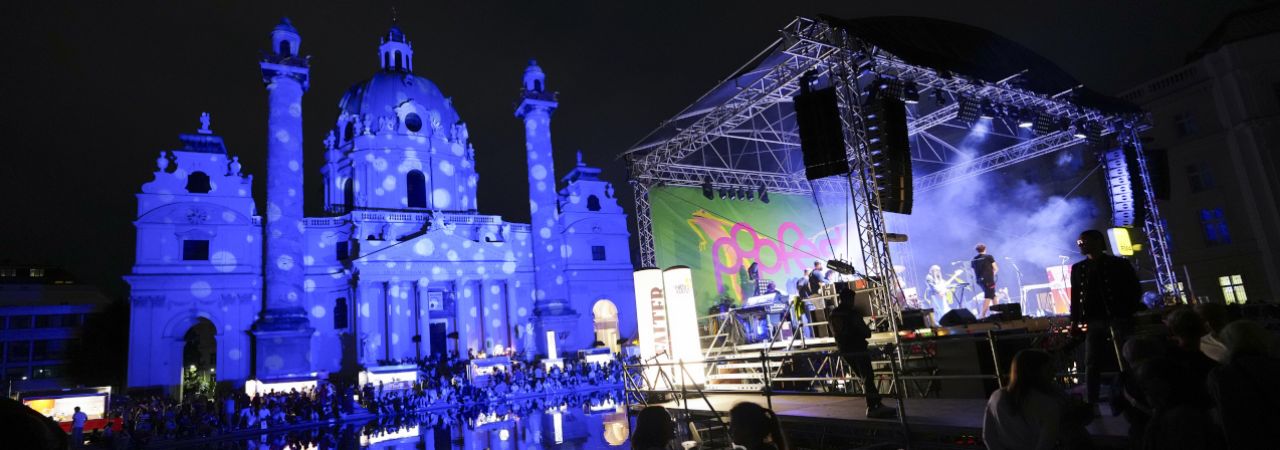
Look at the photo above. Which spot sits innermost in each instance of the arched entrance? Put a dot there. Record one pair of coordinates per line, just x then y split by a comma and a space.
605, 315
199, 358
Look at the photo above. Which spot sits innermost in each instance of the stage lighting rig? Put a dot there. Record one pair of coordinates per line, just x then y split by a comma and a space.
763, 194
1026, 118
987, 110
940, 97
708, 190
910, 93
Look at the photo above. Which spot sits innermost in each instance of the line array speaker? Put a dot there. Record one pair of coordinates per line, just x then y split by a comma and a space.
886, 121
821, 134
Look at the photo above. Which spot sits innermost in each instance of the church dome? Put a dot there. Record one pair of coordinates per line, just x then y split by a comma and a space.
386, 92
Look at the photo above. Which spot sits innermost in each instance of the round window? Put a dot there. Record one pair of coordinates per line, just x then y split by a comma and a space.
413, 122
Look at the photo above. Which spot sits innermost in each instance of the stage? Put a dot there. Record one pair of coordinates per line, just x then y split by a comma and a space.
934, 423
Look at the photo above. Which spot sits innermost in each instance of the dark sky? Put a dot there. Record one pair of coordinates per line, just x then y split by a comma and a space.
91, 91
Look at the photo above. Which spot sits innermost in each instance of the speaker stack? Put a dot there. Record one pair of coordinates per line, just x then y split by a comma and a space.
885, 120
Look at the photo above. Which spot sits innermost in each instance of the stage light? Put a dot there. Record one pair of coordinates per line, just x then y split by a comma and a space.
708, 190
910, 93
724, 193
987, 110
763, 194
939, 97
1078, 128
751, 195
1026, 118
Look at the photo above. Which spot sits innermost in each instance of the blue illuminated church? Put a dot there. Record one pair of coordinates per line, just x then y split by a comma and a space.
402, 265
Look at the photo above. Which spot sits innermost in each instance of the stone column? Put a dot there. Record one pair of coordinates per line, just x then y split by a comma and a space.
283, 331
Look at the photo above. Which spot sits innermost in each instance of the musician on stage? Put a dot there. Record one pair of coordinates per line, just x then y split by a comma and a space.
935, 289
984, 274
1104, 296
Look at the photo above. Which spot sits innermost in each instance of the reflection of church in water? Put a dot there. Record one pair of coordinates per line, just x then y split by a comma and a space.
403, 266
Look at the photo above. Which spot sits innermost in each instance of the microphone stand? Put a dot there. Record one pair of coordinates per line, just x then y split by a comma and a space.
1022, 296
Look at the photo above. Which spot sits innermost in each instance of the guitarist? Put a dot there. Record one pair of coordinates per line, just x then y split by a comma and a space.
1104, 296
938, 293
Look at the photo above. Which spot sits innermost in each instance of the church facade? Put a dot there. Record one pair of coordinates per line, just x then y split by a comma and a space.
401, 266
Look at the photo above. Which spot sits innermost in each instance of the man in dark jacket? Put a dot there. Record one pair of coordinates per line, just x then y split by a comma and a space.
851, 334
1104, 295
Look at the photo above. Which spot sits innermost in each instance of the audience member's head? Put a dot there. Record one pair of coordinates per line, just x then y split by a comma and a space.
1186, 327
1032, 370
1215, 316
1246, 338
1159, 379
1140, 349
654, 429
755, 427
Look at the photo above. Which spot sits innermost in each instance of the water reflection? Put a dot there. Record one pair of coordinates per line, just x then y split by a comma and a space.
595, 420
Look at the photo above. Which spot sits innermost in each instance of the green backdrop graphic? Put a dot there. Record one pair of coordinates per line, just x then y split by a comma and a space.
720, 239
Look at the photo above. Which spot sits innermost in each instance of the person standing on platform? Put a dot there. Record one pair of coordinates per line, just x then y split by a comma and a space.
77, 428
984, 273
817, 278
851, 334
1104, 296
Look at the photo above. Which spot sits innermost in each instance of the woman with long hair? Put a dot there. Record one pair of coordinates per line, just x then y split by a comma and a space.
1029, 412
654, 429
756, 428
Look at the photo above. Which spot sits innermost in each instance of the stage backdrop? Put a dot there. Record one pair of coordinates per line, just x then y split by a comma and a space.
720, 239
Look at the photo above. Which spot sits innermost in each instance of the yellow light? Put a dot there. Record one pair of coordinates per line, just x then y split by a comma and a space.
1120, 243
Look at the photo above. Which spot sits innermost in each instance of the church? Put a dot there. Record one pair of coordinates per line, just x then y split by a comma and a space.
402, 265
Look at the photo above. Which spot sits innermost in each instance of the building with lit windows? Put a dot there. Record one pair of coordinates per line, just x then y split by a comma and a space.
42, 311
402, 265
1218, 119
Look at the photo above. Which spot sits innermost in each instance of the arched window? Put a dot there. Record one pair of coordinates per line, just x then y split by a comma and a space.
348, 194
340, 313
417, 185
350, 131
386, 60
593, 203
198, 183
285, 49
398, 65
537, 85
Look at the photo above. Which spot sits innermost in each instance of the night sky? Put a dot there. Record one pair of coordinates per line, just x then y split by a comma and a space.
90, 93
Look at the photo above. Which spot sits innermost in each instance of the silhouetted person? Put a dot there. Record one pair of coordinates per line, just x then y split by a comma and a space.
1127, 397
1031, 412
1176, 421
1216, 318
654, 429
1186, 329
851, 334
756, 428
1104, 295
1245, 388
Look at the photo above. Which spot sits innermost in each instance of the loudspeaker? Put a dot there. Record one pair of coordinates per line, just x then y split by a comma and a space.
821, 134
957, 317
1158, 169
913, 319
885, 118
1006, 312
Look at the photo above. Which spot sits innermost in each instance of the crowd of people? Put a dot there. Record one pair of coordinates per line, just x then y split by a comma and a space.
1209, 382
135, 422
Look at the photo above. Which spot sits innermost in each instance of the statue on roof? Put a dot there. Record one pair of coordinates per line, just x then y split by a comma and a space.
204, 124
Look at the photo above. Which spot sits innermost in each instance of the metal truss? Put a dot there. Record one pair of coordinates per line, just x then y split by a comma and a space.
1023, 151
1154, 227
